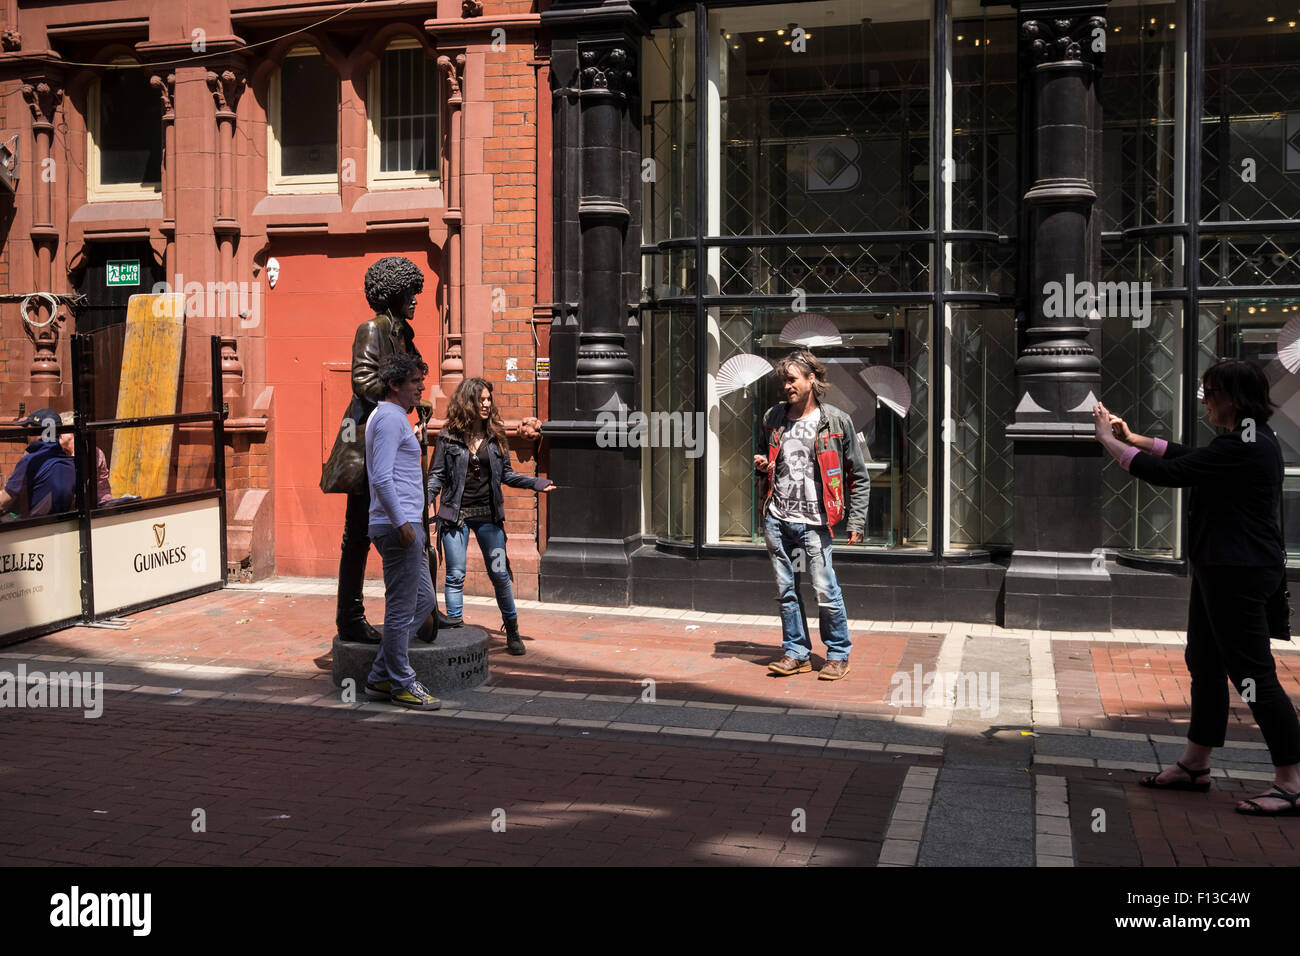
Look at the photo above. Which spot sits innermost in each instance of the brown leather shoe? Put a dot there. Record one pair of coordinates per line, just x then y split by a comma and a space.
788, 665
834, 670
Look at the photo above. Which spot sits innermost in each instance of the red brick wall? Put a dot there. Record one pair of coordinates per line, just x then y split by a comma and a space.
509, 251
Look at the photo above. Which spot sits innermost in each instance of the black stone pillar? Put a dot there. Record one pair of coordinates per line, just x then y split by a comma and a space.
1057, 578
595, 514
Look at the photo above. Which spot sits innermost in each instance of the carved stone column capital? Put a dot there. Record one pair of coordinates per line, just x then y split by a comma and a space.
454, 68
43, 95
1063, 39
607, 68
227, 87
165, 86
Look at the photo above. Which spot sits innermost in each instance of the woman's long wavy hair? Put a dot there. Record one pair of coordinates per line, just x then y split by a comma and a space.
462, 412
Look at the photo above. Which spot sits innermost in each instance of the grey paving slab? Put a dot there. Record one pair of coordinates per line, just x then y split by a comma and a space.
487, 703
978, 825
769, 723
963, 776
691, 717
1098, 748
999, 799
569, 707
1248, 758
857, 728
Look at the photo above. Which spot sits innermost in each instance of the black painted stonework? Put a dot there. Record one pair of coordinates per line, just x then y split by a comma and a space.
1055, 580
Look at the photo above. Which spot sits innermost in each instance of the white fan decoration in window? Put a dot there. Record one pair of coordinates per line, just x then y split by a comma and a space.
889, 387
811, 330
741, 371
1288, 345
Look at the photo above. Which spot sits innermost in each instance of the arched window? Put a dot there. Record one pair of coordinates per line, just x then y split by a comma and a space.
403, 117
304, 124
124, 121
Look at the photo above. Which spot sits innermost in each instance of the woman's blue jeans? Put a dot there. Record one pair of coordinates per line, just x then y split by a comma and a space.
794, 548
492, 543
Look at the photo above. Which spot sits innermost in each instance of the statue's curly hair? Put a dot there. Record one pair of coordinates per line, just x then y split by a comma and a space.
389, 278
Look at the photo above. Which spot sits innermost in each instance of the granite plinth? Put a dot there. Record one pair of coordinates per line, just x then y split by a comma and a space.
456, 660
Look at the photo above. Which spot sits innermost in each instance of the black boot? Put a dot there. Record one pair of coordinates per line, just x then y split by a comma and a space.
449, 622
514, 643
359, 631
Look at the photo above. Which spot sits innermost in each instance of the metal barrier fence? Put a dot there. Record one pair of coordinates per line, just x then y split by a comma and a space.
108, 556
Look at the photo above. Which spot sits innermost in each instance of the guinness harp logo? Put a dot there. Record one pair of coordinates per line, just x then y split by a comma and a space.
159, 533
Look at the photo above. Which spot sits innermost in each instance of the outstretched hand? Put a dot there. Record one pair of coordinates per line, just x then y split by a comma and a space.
1101, 423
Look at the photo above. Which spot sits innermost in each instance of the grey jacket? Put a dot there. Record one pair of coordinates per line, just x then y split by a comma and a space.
450, 465
837, 450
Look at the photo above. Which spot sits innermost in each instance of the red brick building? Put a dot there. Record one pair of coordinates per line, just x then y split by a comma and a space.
258, 157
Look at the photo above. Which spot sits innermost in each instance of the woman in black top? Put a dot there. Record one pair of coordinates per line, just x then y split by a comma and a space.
472, 462
1238, 562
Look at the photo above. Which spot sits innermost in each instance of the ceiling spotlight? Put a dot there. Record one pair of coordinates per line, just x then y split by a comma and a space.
1291, 24
762, 39
977, 41
1251, 310
960, 38
780, 33
1270, 19
1171, 26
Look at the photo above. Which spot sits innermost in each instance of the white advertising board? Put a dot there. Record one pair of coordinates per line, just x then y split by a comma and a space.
151, 554
40, 575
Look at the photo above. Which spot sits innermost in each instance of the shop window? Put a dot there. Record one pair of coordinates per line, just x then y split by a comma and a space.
403, 116
303, 129
892, 422
124, 116
1250, 328
1250, 149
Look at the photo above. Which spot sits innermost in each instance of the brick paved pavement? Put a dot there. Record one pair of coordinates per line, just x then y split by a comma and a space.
223, 703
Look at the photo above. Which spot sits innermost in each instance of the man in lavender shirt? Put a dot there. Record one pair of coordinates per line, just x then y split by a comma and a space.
397, 530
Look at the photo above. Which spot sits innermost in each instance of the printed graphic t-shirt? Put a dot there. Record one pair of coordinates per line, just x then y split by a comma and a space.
794, 489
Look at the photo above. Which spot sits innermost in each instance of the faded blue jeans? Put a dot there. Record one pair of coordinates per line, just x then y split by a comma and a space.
408, 600
795, 547
492, 542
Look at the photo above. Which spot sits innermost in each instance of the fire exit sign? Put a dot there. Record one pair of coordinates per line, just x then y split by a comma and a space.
124, 272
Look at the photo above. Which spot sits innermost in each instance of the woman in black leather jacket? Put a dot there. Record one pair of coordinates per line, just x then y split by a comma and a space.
1237, 556
471, 464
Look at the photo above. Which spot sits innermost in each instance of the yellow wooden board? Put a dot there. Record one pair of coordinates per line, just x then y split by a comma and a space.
151, 366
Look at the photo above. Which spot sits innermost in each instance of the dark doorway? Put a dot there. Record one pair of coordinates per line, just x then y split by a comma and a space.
106, 304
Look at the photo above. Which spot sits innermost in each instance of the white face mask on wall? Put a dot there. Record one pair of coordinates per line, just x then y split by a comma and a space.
272, 272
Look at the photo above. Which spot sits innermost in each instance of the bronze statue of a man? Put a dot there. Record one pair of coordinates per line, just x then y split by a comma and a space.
392, 284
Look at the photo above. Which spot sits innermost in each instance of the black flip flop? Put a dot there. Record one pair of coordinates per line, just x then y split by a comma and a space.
1150, 782
1280, 794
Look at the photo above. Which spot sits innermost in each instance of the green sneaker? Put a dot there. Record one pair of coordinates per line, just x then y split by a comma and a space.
380, 690
415, 697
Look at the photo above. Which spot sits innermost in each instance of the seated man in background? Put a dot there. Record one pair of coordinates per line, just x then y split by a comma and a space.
44, 480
